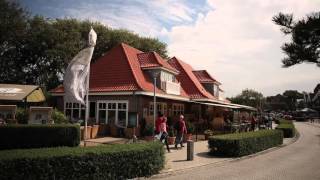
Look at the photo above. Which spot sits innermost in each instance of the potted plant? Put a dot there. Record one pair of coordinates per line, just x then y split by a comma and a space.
88, 132
171, 137
207, 133
148, 133
94, 131
190, 130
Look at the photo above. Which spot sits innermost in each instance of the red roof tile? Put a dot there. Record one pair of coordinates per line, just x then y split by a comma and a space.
120, 70
153, 59
189, 81
204, 77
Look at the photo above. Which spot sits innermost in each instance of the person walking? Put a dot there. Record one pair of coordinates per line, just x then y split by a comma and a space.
253, 123
164, 132
158, 123
181, 130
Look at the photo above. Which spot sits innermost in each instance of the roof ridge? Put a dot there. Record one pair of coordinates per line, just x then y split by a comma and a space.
182, 63
123, 47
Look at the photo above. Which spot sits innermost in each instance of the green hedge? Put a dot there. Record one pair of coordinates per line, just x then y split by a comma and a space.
119, 161
288, 130
240, 144
37, 136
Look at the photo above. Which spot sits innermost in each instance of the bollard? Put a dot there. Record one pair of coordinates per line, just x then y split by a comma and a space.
190, 150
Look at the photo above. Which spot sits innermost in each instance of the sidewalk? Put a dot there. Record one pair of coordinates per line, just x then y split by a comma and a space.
104, 140
176, 160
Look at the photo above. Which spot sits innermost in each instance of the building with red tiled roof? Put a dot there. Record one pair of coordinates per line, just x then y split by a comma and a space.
121, 89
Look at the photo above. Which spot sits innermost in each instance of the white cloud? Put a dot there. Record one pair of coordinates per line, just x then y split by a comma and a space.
238, 44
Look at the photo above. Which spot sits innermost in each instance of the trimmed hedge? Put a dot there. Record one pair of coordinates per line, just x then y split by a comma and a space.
240, 144
119, 161
37, 136
288, 130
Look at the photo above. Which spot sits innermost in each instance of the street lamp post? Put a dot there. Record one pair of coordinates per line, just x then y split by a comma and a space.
154, 100
154, 73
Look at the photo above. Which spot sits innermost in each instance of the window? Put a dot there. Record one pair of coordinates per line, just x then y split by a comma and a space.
215, 90
177, 109
113, 112
102, 113
165, 76
151, 109
75, 111
161, 107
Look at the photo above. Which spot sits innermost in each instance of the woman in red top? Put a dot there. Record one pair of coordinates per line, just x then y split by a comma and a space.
158, 123
163, 130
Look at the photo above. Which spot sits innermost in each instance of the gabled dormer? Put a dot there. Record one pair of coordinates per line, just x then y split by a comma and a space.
210, 84
155, 66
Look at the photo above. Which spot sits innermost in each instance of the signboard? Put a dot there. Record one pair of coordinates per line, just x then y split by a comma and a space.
40, 115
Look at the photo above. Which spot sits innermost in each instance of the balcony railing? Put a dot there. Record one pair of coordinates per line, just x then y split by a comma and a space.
170, 87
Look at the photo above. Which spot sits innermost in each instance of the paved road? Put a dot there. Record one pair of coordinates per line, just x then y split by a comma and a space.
297, 161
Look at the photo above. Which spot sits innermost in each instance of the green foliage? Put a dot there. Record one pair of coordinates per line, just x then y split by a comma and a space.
59, 117
190, 127
248, 97
22, 116
285, 101
287, 127
38, 49
288, 130
122, 161
149, 130
37, 136
171, 132
240, 144
305, 41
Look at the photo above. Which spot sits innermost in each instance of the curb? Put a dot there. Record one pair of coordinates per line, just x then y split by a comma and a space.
173, 172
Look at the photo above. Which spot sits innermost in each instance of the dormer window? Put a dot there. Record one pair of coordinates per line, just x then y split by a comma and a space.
165, 76
209, 83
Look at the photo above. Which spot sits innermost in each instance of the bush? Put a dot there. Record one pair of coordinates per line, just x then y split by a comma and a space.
121, 161
37, 136
149, 130
283, 121
22, 116
288, 130
59, 117
240, 144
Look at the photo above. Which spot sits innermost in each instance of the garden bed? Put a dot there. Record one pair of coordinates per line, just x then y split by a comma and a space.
37, 136
120, 161
240, 144
288, 128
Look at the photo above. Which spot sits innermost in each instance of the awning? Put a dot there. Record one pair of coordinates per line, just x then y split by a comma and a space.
228, 105
221, 105
16, 92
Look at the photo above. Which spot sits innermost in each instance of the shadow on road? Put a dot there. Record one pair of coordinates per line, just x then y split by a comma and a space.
207, 155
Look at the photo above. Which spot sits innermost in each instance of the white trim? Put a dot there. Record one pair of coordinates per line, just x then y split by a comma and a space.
209, 100
166, 96
116, 110
161, 68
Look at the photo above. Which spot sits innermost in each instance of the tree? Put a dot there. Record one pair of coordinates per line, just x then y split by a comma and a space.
305, 38
248, 97
291, 97
36, 50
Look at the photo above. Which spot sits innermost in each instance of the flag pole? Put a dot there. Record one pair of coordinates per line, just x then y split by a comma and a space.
87, 107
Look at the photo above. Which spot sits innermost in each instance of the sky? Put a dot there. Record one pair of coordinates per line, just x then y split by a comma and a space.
234, 40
